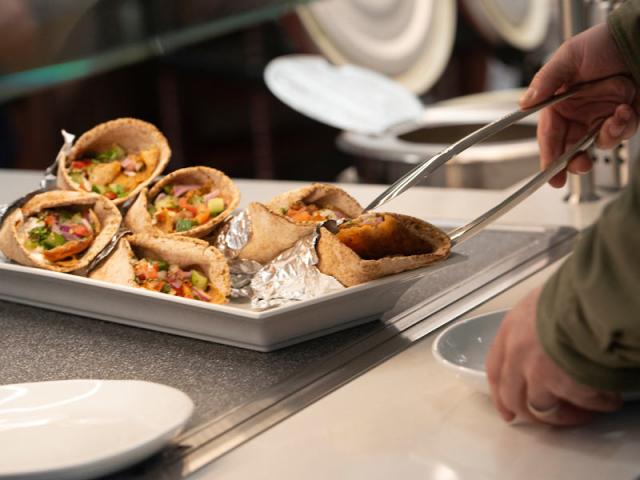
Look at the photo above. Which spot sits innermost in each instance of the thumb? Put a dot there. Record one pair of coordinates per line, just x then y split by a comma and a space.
560, 70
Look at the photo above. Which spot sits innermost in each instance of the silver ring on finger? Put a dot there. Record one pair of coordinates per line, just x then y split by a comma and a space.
541, 413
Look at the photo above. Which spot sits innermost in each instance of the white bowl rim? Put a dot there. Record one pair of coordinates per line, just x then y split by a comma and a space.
435, 349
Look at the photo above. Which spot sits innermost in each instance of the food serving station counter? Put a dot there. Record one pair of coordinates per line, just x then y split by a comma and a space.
240, 393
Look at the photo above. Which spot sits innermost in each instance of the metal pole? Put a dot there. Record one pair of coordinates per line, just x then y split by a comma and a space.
576, 18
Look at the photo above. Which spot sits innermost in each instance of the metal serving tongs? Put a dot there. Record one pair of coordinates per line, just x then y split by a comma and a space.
428, 166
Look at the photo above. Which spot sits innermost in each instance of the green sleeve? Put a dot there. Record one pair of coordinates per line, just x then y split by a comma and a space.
624, 25
589, 311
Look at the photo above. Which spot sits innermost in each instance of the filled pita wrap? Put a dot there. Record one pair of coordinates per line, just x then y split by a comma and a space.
293, 215
379, 244
315, 203
188, 202
180, 266
59, 230
116, 159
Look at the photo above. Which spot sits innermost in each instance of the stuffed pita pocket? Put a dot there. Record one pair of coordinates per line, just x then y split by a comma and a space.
59, 230
293, 215
379, 244
188, 202
116, 159
180, 266
315, 203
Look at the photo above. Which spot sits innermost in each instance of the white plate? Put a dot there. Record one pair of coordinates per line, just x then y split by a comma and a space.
76, 429
342, 96
463, 348
232, 324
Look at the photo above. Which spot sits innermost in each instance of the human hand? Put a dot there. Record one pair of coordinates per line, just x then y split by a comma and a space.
527, 384
590, 55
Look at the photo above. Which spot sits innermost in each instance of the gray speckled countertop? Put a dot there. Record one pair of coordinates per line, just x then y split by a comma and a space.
37, 344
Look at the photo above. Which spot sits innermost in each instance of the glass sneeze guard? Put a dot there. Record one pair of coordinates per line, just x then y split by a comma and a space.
44, 43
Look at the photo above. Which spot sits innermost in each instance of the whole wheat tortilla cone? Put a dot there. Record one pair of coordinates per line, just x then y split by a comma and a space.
339, 261
138, 218
131, 134
181, 251
104, 209
322, 195
271, 234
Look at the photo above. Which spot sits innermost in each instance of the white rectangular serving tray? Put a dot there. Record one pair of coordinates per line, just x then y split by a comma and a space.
232, 324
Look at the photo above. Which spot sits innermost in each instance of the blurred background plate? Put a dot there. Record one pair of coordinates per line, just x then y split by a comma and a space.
408, 40
522, 24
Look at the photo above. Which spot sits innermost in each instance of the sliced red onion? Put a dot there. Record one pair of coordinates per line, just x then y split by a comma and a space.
210, 196
175, 283
128, 164
179, 190
201, 295
86, 223
64, 231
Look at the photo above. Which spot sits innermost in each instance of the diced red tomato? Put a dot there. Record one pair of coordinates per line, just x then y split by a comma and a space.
110, 195
183, 203
152, 273
49, 220
81, 231
80, 164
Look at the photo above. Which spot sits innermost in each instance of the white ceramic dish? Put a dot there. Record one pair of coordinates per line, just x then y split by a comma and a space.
232, 324
463, 348
81, 429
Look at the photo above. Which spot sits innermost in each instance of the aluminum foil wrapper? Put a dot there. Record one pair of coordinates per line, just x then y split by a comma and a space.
291, 276
234, 235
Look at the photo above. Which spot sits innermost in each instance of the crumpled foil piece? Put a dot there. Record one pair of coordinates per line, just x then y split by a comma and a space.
233, 236
291, 276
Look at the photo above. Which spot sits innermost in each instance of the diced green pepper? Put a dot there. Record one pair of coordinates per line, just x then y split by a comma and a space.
77, 177
38, 234
196, 200
101, 189
215, 206
166, 288
162, 265
30, 244
198, 280
53, 240
152, 210
118, 189
168, 189
114, 153
184, 224
166, 202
